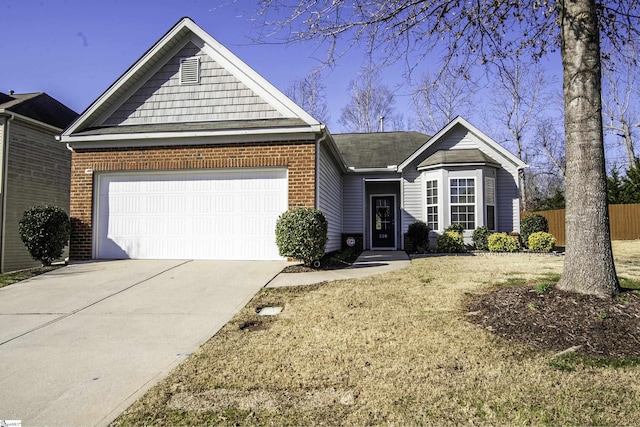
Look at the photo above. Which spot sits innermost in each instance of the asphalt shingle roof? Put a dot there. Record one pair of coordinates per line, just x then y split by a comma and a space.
449, 157
38, 106
379, 149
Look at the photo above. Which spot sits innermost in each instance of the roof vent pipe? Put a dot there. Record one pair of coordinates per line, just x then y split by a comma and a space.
381, 123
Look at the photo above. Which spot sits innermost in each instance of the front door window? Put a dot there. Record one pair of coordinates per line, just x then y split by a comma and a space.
383, 233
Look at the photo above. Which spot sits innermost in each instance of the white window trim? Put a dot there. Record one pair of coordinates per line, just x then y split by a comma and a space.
436, 205
475, 200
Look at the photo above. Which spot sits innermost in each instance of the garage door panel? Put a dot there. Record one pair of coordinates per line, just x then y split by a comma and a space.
212, 215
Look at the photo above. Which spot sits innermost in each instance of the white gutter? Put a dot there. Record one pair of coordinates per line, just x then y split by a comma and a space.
31, 121
391, 168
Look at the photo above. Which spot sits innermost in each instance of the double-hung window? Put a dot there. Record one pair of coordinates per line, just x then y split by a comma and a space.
432, 204
463, 202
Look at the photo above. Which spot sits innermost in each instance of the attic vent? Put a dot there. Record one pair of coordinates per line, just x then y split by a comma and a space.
190, 70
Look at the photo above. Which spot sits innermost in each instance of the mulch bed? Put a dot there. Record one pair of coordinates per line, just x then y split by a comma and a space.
557, 320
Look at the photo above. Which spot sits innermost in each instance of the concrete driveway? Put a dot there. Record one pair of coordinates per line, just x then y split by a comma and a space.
80, 344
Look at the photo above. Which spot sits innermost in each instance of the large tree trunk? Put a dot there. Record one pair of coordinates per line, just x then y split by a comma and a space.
588, 266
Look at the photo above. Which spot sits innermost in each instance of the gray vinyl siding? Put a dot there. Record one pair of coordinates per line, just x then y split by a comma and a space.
38, 173
412, 209
218, 96
330, 197
508, 201
353, 203
458, 138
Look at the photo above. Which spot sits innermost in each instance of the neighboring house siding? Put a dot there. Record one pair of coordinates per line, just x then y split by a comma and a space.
352, 203
330, 197
37, 174
298, 157
412, 198
218, 96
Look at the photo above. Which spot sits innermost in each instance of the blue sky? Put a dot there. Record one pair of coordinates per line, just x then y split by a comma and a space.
74, 49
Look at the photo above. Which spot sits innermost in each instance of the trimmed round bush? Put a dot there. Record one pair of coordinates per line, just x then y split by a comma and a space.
301, 233
450, 242
455, 227
502, 242
480, 236
541, 241
45, 231
418, 232
532, 224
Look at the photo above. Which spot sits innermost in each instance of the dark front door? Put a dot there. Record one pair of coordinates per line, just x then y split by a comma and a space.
383, 229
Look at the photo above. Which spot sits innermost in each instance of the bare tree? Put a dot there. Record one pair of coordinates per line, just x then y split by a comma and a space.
517, 101
551, 142
308, 93
371, 104
489, 32
620, 115
441, 97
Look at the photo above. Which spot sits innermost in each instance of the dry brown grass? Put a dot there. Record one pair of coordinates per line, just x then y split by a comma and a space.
393, 349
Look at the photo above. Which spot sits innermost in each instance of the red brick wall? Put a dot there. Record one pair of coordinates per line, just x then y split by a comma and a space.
298, 157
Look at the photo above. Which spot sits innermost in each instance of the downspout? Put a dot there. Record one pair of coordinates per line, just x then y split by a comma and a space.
3, 185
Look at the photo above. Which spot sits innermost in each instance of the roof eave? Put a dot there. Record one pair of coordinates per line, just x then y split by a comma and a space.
187, 137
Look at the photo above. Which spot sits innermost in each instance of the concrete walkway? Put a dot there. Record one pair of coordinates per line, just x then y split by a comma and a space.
368, 263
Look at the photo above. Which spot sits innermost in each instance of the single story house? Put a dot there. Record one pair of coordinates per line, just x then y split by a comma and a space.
191, 154
34, 168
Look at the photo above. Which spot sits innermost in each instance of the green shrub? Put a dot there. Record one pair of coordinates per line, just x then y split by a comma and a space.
541, 241
480, 236
45, 232
456, 228
450, 242
301, 233
418, 232
532, 224
502, 242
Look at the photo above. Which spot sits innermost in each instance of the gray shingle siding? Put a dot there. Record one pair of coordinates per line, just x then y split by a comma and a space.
218, 96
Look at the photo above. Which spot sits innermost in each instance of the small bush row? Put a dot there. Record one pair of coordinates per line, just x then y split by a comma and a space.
533, 235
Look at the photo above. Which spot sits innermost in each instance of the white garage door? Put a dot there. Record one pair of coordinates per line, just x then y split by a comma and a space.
228, 214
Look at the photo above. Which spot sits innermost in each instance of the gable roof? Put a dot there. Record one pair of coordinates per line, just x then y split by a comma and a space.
483, 139
290, 117
378, 149
38, 107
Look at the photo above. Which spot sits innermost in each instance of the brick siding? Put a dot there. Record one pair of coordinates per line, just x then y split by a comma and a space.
298, 157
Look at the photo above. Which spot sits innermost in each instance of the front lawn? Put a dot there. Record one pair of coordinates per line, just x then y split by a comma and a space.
400, 349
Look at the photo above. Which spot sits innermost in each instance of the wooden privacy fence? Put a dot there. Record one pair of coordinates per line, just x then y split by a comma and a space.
624, 222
